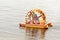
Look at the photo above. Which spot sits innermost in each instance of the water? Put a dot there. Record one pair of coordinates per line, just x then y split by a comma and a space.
12, 12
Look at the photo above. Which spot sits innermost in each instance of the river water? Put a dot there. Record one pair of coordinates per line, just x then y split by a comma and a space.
12, 12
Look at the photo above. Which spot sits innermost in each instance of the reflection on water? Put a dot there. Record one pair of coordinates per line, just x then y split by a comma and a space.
35, 34
43, 31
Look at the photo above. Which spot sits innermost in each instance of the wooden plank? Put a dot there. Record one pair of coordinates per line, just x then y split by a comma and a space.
35, 26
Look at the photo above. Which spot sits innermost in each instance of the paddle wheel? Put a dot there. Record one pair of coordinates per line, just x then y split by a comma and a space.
35, 17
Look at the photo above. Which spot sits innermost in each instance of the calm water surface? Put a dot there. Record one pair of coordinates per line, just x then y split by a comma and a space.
12, 12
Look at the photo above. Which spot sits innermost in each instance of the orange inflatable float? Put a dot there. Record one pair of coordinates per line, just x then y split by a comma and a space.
35, 19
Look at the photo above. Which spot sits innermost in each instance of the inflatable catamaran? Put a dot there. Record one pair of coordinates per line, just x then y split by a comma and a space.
35, 19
